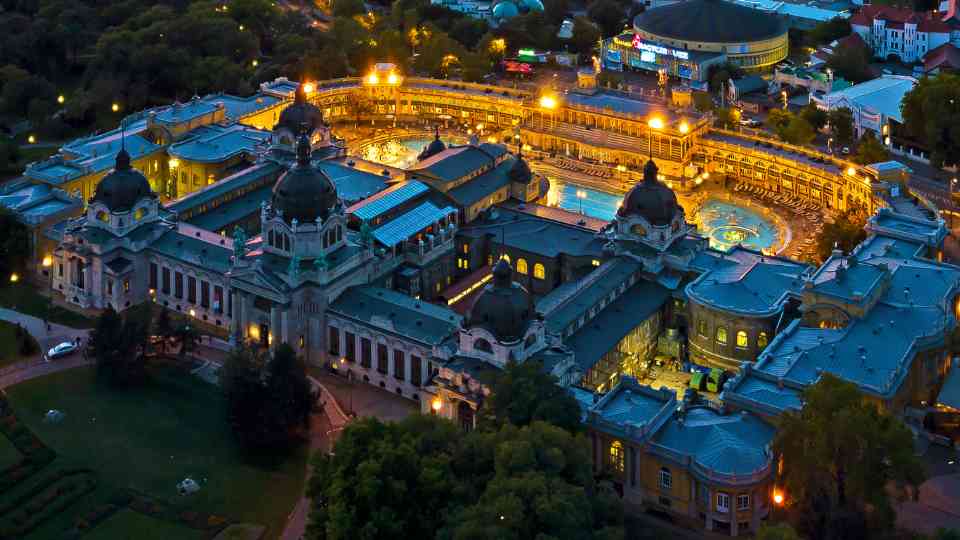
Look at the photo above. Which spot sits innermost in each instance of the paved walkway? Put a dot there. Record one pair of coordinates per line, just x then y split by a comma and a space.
36, 366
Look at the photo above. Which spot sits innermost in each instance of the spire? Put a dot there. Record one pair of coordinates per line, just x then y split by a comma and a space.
650, 172
436, 132
300, 95
303, 147
123, 158
502, 274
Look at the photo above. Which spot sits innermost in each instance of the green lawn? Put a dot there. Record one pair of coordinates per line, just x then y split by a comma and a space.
130, 525
149, 439
9, 352
9, 455
25, 299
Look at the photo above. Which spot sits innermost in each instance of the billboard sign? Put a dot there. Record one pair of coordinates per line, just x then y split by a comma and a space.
658, 49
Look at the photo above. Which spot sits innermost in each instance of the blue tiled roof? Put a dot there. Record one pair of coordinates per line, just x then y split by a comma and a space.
231, 184
397, 313
745, 281
387, 199
535, 234
564, 305
216, 143
629, 410
194, 251
184, 112
485, 185
618, 319
458, 161
352, 184
731, 444
410, 223
36, 202
239, 107
840, 279
757, 391
233, 211
90, 155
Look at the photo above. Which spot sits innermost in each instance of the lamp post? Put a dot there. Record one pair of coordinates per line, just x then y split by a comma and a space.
830, 145
652, 124
783, 94
581, 194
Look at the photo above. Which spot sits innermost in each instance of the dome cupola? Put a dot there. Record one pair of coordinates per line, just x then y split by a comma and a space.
504, 308
435, 147
122, 187
520, 172
304, 192
650, 199
300, 113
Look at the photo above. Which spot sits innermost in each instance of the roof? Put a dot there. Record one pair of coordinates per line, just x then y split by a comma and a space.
711, 21
178, 244
617, 103
745, 281
796, 11
896, 17
950, 391
34, 203
239, 107
610, 326
843, 277
485, 185
478, 370
352, 184
567, 303
179, 113
457, 161
750, 83
397, 313
881, 95
215, 143
410, 223
534, 234
90, 155
232, 211
229, 185
946, 56
388, 199
555, 213
736, 444
756, 391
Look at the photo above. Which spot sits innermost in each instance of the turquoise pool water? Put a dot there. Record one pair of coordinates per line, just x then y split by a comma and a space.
728, 224
401, 153
594, 203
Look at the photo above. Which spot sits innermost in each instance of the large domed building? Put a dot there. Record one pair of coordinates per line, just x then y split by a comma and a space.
304, 193
650, 213
505, 9
689, 37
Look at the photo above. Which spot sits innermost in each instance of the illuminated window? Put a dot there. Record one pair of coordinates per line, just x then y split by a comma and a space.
490, 260
762, 340
505, 257
723, 502
522, 266
103, 216
666, 478
539, 271
595, 262
466, 248
702, 328
139, 213
743, 502
126, 285
742, 339
616, 456
721, 335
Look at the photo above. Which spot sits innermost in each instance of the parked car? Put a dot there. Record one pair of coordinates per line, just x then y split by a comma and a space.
845, 150
749, 122
63, 349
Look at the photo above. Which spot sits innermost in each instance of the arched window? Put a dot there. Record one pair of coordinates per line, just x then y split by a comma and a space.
522, 266
742, 339
482, 345
505, 257
270, 239
139, 213
539, 271
616, 456
721, 335
702, 328
103, 216
762, 340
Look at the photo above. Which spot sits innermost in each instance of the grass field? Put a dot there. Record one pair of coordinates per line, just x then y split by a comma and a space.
25, 299
9, 455
149, 439
130, 525
9, 352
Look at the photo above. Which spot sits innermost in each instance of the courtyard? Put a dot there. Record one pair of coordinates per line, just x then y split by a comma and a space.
132, 447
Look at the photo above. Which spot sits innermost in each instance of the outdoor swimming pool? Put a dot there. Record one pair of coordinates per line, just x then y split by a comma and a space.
400, 153
727, 224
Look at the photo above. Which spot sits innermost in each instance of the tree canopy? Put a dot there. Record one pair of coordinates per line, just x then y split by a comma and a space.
845, 233
931, 114
523, 393
841, 125
119, 344
870, 150
843, 458
851, 63
14, 244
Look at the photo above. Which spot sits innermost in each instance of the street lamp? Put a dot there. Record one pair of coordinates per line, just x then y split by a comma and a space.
830, 145
61, 99
435, 405
783, 94
308, 88
581, 195
684, 127
31, 139
14, 278
654, 123
115, 107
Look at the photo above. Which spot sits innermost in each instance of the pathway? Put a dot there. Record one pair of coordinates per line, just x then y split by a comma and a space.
36, 366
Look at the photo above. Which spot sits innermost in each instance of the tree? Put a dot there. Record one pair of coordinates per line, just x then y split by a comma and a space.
703, 101
827, 31
778, 120
120, 343
269, 402
841, 125
727, 117
931, 114
843, 457
798, 131
14, 244
348, 8
188, 337
870, 150
720, 75
524, 393
814, 115
586, 34
163, 327
851, 63
103, 339
845, 233
608, 14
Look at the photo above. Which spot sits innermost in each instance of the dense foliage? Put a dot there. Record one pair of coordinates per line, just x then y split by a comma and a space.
844, 233
119, 344
14, 244
524, 393
931, 112
844, 462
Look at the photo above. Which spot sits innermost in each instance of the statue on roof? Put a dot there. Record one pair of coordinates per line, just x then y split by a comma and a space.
321, 264
294, 269
366, 235
239, 243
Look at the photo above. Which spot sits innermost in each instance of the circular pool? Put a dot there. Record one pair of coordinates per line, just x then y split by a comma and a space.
727, 224
400, 152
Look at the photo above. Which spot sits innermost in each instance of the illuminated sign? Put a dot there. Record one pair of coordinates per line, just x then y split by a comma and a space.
649, 57
517, 67
526, 52
650, 47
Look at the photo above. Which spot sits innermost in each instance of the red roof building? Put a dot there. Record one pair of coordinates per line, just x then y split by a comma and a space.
944, 58
901, 33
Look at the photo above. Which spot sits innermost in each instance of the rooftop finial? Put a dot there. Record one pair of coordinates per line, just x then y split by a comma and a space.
519, 148
303, 147
123, 158
436, 132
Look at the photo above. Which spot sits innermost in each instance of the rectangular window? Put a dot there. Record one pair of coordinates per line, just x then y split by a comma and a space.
666, 478
178, 285
60, 270
205, 294
743, 502
153, 276
382, 358
126, 285
399, 365
350, 348
723, 502
165, 281
334, 345
218, 299
192, 289
365, 352
110, 287
415, 374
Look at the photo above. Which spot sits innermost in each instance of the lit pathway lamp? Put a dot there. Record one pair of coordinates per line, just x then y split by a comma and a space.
547, 103
655, 123
581, 195
436, 405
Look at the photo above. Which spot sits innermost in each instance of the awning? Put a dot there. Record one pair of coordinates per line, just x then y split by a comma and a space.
950, 392
411, 223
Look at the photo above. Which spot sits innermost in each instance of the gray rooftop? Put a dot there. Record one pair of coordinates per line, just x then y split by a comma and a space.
397, 313
535, 234
745, 281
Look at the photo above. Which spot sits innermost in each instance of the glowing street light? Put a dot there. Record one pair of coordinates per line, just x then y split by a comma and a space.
851, 171
435, 405
392, 78
548, 102
309, 88
654, 123
14, 278
581, 195
684, 127
373, 78
498, 46
254, 63
61, 99
31, 139
115, 107
47, 261
778, 497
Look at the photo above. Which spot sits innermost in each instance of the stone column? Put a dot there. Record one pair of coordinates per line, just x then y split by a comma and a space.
242, 312
390, 352
408, 368
235, 327
275, 325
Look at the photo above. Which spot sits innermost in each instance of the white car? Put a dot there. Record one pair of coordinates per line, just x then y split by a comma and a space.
749, 122
63, 349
